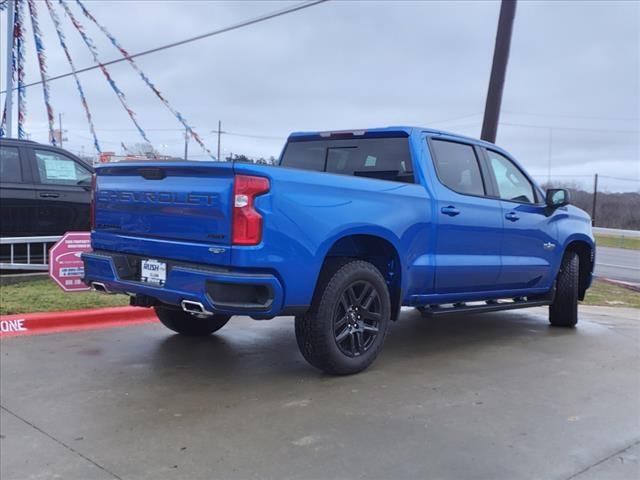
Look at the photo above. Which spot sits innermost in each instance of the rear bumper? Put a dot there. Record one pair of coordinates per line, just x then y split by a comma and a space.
219, 290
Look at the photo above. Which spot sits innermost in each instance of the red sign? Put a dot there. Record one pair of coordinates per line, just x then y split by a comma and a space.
65, 265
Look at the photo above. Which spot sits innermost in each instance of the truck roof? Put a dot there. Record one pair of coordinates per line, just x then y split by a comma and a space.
382, 131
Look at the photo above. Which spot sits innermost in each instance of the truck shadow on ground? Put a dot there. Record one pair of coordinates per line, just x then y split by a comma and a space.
268, 349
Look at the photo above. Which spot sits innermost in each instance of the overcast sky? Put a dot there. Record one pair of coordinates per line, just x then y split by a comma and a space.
572, 90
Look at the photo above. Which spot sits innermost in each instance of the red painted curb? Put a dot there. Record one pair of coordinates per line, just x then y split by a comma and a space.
631, 286
53, 322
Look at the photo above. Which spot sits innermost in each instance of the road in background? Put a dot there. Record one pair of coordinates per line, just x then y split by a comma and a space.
617, 232
618, 264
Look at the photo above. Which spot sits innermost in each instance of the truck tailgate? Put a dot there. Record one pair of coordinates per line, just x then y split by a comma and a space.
177, 201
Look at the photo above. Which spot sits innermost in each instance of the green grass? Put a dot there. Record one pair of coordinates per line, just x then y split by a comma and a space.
45, 296
618, 242
602, 293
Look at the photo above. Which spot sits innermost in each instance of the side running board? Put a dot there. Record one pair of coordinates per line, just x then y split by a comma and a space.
490, 306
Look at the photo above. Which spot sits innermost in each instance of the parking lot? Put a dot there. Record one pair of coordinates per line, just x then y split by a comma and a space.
489, 396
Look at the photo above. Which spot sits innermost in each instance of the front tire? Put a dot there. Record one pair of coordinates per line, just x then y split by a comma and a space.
186, 324
563, 312
347, 323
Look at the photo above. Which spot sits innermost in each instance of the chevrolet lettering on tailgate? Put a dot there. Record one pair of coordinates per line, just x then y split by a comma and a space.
178, 198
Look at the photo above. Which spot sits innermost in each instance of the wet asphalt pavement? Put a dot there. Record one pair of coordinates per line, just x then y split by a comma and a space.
492, 396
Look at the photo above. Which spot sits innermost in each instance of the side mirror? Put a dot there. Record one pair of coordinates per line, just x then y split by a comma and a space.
557, 197
85, 183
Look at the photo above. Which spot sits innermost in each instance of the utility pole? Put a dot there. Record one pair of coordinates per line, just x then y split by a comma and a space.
595, 200
550, 153
60, 128
186, 142
498, 71
9, 67
219, 132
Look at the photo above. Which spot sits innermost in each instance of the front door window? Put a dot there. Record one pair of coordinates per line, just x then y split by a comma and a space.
512, 184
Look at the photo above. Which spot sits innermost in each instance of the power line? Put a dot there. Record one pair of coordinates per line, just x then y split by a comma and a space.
603, 130
455, 119
565, 175
620, 179
236, 26
564, 115
248, 135
88, 138
551, 127
550, 115
235, 134
585, 175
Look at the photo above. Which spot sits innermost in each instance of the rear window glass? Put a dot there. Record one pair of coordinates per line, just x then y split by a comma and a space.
10, 165
305, 155
381, 158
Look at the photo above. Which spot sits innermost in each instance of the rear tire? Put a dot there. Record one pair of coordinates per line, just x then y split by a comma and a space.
563, 312
344, 330
186, 324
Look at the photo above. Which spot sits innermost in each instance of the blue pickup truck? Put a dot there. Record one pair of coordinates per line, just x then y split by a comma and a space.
347, 229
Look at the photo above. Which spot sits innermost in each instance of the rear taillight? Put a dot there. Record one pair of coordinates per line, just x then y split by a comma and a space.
92, 205
247, 222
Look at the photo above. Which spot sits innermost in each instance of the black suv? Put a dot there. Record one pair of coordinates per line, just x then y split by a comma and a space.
44, 190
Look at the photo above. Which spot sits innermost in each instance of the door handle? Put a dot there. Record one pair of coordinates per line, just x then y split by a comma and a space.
512, 216
49, 195
450, 210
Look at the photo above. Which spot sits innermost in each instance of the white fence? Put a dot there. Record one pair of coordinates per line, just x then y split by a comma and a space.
617, 232
31, 253
26, 253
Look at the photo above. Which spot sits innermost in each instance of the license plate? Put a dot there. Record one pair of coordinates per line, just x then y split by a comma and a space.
153, 271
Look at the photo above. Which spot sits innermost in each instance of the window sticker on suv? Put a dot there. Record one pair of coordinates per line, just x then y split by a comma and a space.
58, 169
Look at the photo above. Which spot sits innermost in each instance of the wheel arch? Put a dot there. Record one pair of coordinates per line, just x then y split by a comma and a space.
586, 256
377, 250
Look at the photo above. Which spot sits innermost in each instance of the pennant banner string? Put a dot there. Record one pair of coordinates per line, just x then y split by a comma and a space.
105, 72
83, 99
18, 37
3, 123
144, 77
42, 63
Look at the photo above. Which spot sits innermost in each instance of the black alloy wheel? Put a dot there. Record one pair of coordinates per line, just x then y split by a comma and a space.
356, 318
344, 329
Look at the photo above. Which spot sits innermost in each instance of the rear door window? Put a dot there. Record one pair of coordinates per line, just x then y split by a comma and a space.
10, 168
457, 167
57, 169
381, 158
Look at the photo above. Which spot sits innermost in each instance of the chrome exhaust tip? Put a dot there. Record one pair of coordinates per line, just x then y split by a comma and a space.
99, 287
195, 308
